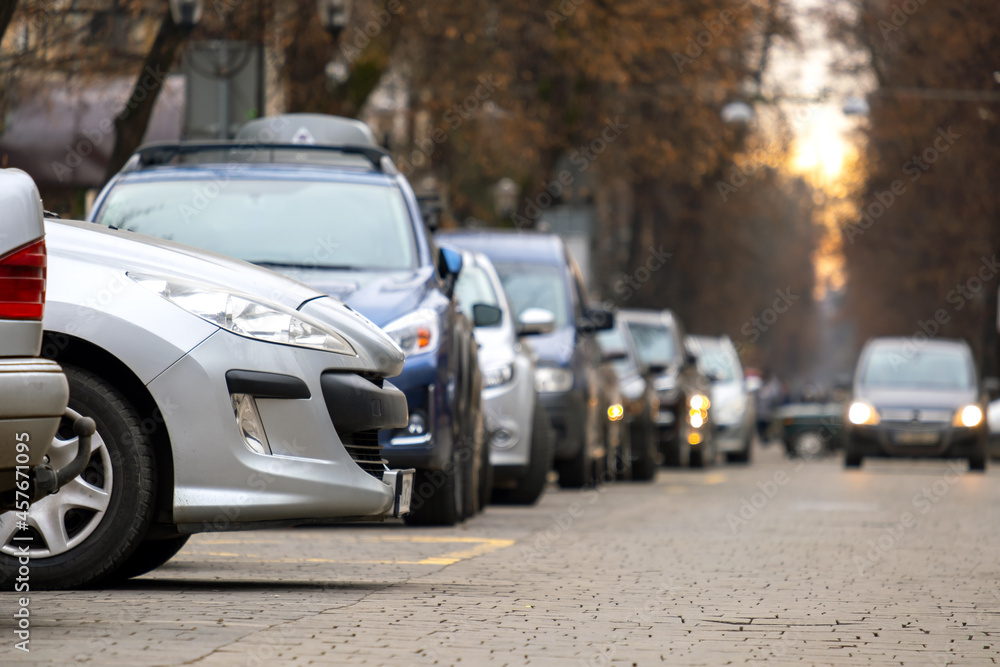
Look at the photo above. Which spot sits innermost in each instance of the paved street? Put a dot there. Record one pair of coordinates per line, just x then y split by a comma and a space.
780, 562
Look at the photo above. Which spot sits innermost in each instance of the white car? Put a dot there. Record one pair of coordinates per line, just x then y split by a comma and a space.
732, 404
226, 397
521, 438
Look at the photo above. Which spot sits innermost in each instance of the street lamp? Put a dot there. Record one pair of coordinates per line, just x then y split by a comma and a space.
739, 113
186, 13
333, 15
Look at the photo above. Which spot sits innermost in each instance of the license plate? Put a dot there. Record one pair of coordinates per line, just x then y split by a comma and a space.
405, 493
917, 438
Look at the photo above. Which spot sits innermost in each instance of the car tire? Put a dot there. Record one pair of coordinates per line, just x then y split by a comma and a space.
704, 456
93, 541
643, 457
578, 471
852, 459
438, 495
744, 455
150, 555
543, 448
676, 452
977, 463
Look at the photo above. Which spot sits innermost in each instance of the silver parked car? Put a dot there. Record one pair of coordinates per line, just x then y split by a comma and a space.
732, 404
226, 397
522, 441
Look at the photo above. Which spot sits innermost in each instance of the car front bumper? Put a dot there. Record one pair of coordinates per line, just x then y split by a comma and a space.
568, 412
904, 440
311, 472
508, 418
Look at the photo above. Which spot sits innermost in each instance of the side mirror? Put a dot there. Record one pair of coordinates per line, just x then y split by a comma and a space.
596, 319
613, 355
656, 369
535, 322
713, 376
485, 315
991, 386
690, 359
450, 264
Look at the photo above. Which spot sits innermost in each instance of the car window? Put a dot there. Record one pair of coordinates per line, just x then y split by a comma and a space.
923, 369
298, 223
654, 343
473, 286
720, 362
536, 286
613, 341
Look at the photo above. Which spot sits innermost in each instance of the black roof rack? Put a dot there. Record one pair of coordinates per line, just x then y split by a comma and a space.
163, 152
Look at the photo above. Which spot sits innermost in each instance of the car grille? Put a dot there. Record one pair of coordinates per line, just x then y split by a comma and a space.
363, 447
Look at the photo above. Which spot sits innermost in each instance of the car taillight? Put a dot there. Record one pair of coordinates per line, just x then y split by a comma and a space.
22, 283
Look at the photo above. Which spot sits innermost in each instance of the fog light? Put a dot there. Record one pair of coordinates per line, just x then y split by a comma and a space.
694, 438
968, 416
503, 438
615, 412
249, 423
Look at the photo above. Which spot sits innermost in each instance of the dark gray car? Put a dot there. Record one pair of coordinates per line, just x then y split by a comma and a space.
916, 399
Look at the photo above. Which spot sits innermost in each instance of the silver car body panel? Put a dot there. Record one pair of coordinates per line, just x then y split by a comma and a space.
182, 359
507, 408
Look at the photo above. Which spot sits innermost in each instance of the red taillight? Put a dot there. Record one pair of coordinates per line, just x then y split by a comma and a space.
22, 283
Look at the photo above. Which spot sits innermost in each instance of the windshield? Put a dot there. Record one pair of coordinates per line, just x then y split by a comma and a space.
315, 224
926, 369
612, 341
719, 362
654, 343
536, 286
473, 287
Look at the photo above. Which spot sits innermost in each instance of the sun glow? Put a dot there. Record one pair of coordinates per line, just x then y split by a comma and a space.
820, 156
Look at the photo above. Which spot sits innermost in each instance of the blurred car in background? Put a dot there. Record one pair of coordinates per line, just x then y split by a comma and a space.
315, 198
683, 391
732, 402
993, 421
808, 430
33, 391
226, 397
640, 406
521, 439
916, 400
544, 283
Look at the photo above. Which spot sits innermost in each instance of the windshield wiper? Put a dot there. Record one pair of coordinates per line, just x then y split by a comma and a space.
302, 265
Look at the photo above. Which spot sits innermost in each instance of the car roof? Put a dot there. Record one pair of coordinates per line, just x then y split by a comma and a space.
224, 172
663, 317
509, 246
910, 341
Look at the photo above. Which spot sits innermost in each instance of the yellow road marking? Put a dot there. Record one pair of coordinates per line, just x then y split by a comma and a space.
714, 478
483, 545
675, 489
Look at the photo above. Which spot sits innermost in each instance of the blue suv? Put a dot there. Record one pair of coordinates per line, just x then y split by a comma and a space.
315, 198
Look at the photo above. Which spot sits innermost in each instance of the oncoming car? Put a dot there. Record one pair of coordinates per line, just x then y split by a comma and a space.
916, 400
225, 397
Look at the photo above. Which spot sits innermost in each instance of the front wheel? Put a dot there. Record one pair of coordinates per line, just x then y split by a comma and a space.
543, 446
150, 555
85, 533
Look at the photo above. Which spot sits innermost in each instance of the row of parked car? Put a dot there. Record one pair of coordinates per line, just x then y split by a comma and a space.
219, 337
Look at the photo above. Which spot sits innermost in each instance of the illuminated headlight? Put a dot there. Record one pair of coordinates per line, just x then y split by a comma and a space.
247, 316
549, 379
615, 412
970, 415
415, 333
495, 377
860, 413
249, 423
698, 410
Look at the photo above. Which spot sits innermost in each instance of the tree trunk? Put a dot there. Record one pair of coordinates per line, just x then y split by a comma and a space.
6, 14
132, 121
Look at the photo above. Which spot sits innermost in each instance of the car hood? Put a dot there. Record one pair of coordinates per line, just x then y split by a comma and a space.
724, 393
916, 398
138, 253
380, 296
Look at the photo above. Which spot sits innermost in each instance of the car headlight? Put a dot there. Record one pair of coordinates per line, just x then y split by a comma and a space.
698, 412
860, 413
549, 379
415, 333
615, 412
731, 411
970, 415
495, 377
247, 316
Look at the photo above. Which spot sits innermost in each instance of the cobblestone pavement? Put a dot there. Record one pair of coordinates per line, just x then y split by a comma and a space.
779, 562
